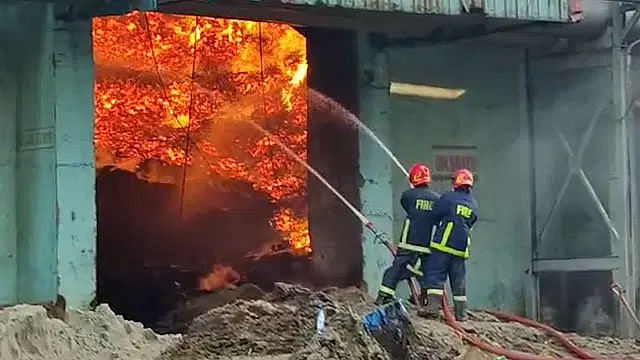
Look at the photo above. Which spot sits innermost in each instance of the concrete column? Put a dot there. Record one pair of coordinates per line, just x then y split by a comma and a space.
526, 147
36, 196
376, 193
8, 245
335, 231
619, 202
75, 169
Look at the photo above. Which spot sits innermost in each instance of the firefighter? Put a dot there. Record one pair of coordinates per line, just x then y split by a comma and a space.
455, 213
413, 246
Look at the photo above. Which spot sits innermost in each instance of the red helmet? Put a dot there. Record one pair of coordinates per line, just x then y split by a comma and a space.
419, 175
462, 177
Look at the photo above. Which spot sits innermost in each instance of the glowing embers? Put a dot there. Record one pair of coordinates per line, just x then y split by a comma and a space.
220, 277
150, 105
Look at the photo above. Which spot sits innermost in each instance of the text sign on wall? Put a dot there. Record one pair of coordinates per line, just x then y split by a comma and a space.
449, 158
34, 139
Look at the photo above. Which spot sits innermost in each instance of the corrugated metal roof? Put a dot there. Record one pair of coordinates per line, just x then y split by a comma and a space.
447, 7
537, 10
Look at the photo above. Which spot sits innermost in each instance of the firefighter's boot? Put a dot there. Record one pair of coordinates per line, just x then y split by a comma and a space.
431, 308
460, 309
383, 299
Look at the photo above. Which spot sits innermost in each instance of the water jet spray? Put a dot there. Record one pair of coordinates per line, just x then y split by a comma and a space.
378, 235
324, 102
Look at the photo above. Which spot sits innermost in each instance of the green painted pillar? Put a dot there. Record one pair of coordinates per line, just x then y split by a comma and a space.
75, 169
8, 256
35, 174
376, 193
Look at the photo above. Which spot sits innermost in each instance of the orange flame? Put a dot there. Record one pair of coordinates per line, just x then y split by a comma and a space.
220, 277
143, 95
294, 229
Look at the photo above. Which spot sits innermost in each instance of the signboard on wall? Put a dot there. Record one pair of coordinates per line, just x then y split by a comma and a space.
449, 158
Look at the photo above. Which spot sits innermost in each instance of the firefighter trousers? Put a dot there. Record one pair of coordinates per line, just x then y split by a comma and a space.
440, 266
406, 264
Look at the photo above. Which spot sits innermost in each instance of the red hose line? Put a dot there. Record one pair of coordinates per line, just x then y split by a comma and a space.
582, 354
511, 354
494, 349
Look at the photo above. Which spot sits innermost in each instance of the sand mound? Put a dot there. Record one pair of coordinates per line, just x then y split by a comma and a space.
26, 333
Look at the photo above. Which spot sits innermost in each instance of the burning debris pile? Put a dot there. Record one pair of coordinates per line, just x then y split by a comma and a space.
177, 91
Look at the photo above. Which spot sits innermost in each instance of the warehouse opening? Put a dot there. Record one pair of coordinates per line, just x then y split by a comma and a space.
198, 193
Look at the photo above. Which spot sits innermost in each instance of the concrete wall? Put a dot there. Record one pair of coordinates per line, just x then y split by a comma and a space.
36, 159
75, 162
48, 218
375, 167
8, 245
491, 116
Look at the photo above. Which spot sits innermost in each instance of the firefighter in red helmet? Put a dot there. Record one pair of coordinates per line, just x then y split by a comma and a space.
454, 213
413, 247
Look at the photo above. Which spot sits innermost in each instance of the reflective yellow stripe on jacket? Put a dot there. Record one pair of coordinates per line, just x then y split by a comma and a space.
442, 246
387, 290
403, 244
415, 269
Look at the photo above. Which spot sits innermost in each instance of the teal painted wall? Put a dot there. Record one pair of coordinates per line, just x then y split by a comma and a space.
75, 163
47, 205
492, 117
36, 194
8, 253
375, 167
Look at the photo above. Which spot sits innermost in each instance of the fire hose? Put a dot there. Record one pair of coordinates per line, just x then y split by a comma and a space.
512, 354
415, 288
619, 291
450, 318
482, 345
379, 236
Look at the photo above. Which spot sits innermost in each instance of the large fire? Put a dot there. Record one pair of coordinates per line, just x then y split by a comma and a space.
149, 102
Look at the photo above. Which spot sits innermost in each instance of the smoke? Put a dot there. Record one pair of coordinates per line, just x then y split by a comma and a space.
591, 318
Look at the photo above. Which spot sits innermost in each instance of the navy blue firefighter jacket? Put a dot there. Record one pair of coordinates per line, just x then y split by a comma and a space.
416, 231
455, 213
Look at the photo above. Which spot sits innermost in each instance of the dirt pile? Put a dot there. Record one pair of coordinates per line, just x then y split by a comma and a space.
282, 325
27, 333
179, 319
522, 338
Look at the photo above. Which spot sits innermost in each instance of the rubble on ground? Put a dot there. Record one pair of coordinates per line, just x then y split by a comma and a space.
283, 324
179, 319
27, 333
277, 326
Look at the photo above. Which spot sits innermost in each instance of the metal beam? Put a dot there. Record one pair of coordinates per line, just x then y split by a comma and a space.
592, 192
619, 199
572, 265
576, 162
632, 23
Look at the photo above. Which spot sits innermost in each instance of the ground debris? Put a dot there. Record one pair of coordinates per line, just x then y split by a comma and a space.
282, 326
26, 333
